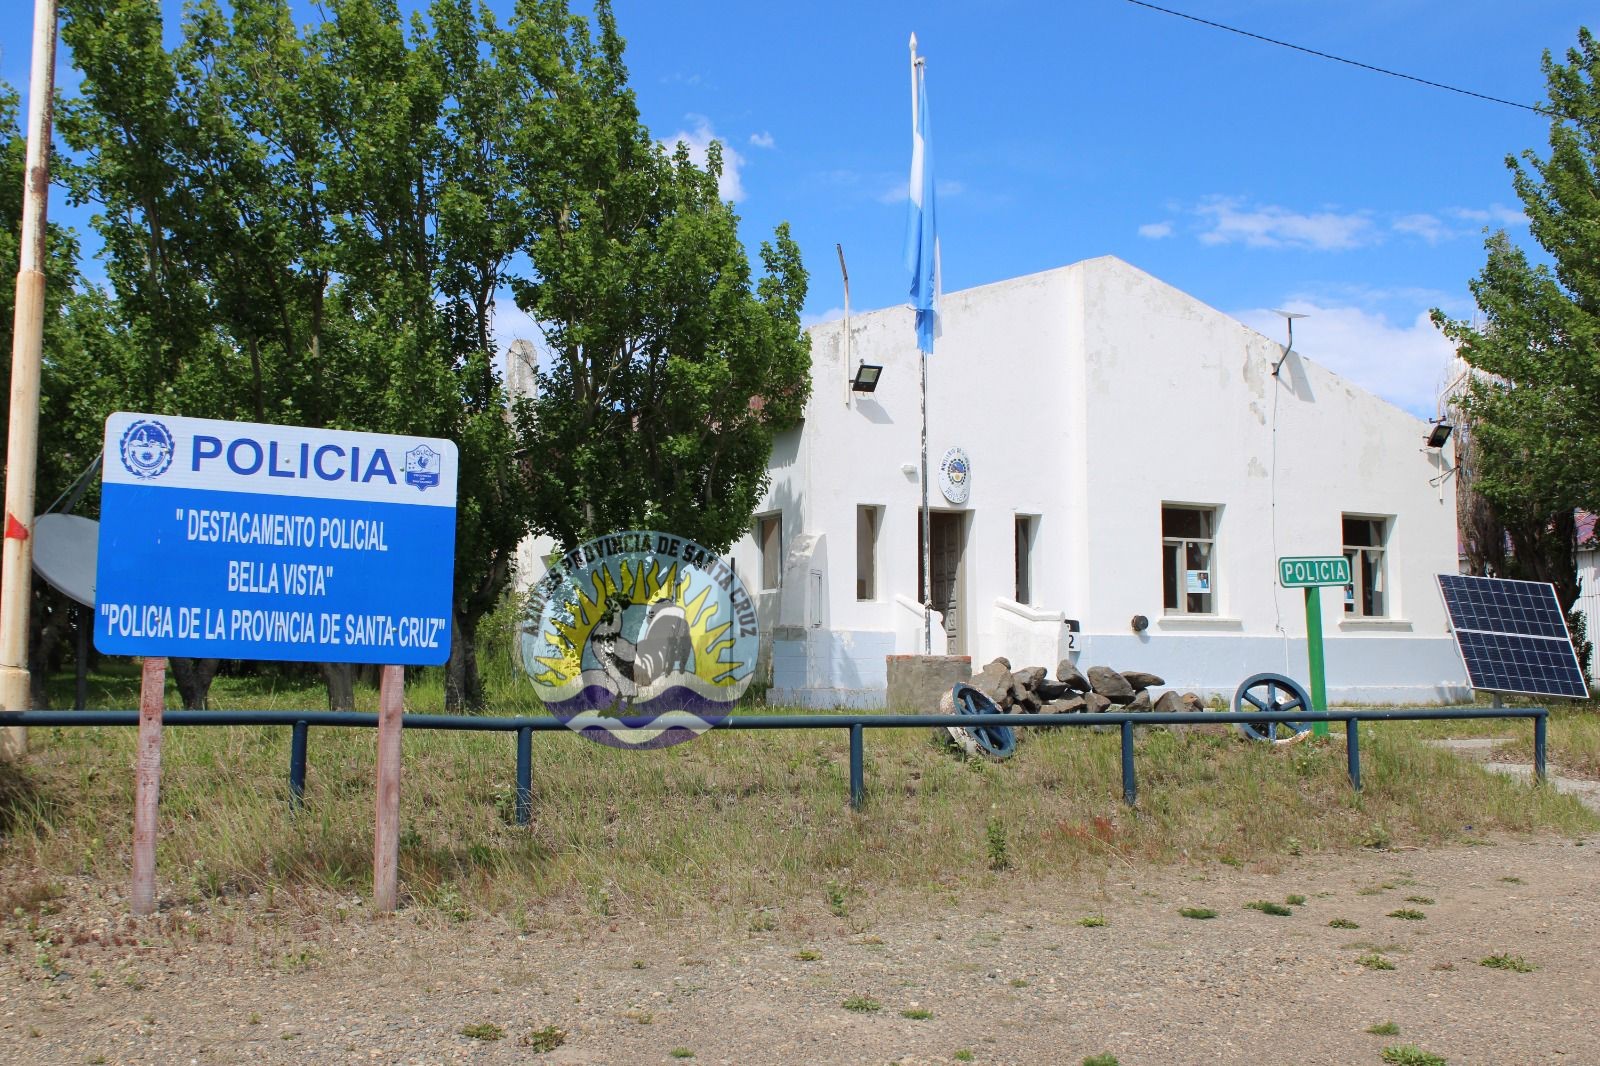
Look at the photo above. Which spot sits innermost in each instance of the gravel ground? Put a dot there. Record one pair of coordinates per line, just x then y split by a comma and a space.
1017, 979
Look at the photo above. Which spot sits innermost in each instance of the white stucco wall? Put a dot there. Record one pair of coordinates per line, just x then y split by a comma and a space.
1088, 396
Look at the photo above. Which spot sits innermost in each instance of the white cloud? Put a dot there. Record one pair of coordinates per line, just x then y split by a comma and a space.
762, 139
729, 187
1428, 227
808, 319
1399, 361
1155, 231
1269, 226
1495, 215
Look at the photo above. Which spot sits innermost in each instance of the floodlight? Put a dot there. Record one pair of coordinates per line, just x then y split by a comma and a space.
866, 379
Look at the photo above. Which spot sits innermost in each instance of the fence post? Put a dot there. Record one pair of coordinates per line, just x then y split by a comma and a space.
1352, 751
1130, 789
147, 784
524, 775
297, 765
1539, 721
386, 825
858, 774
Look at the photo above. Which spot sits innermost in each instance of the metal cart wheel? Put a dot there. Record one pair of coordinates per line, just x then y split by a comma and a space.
1273, 693
993, 741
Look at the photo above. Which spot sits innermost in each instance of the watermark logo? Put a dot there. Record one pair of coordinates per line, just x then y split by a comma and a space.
422, 467
147, 448
640, 639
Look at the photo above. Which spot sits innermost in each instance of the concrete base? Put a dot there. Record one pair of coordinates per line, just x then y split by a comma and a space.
917, 681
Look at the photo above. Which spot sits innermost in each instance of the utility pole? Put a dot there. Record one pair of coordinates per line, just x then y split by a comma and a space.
22, 447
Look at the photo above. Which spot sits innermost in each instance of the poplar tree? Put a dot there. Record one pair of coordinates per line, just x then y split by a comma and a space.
1533, 400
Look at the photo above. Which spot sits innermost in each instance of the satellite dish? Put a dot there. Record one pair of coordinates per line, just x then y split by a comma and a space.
65, 547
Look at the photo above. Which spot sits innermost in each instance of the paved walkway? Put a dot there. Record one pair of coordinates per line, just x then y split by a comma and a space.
1481, 749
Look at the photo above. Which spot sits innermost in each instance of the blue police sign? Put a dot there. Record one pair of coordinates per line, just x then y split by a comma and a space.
230, 540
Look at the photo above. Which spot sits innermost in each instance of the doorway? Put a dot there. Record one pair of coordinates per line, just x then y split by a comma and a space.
947, 535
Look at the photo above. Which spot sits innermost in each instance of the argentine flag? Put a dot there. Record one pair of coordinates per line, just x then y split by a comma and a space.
922, 234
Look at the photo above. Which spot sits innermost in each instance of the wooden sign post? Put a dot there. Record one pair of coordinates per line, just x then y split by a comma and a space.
386, 826
147, 784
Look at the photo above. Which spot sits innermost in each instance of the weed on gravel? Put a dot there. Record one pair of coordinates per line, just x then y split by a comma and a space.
1514, 963
540, 1041
1198, 913
862, 1005
1408, 914
1342, 923
1411, 1055
483, 1031
1294, 899
1091, 921
1374, 961
917, 1014
1101, 1060
1266, 906
1384, 1029
681, 1053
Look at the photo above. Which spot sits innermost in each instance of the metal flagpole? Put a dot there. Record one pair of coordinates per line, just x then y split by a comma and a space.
922, 357
927, 542
27, 343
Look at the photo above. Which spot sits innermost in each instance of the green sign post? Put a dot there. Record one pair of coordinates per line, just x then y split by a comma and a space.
1311, 573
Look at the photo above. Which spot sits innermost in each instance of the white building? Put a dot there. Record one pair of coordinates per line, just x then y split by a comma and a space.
1132, 458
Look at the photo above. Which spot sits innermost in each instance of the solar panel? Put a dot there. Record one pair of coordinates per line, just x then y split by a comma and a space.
1512, 636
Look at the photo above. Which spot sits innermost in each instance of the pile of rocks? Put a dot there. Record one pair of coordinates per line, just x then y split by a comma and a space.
1030, 690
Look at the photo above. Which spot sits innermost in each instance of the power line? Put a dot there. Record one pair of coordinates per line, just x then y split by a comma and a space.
1341, 59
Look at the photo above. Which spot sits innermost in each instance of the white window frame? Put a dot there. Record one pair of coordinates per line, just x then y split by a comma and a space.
1369, 567
1178, 551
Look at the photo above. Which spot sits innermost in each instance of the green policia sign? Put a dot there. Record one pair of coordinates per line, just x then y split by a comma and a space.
1311, 571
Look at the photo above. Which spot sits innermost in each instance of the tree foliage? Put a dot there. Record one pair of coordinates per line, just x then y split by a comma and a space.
1533, 399
668, 373
313, 225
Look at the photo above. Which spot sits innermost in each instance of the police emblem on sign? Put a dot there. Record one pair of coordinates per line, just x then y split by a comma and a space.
422, 467
147, 448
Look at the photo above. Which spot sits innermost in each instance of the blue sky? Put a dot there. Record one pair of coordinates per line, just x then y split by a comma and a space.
1251, 176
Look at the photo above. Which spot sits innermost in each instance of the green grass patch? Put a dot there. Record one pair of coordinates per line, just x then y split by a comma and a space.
1408, 914
862, 1005
807, 955
1198, 913
1091, 921
542, 1040
1373, 961
1384, 1029
483, 1031
963, 1055
613, 830
1411, 1055
1342, 923
681, 1053
1101, 1060
917, 1014
1426, 901
1295, 900
1514, 963
1266, 906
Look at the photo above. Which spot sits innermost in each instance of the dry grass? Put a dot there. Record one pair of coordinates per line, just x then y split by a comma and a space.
730, 823
1573, 740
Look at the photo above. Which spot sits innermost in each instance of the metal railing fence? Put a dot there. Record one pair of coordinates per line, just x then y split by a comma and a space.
300, 722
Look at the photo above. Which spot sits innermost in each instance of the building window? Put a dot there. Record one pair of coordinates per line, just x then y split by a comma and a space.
1365, 542
868, 521
769, 538
1188, 559
1026, 527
